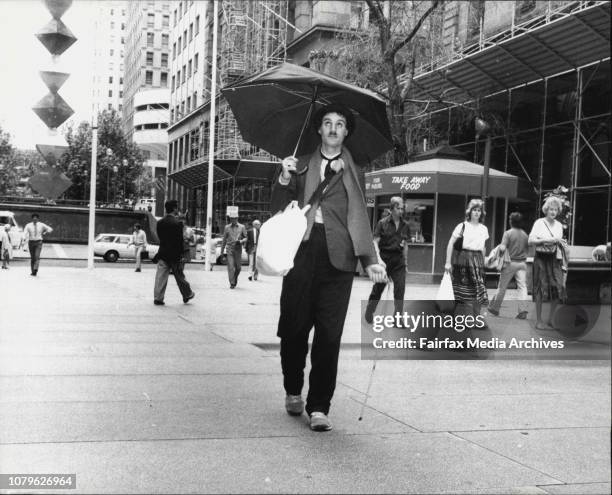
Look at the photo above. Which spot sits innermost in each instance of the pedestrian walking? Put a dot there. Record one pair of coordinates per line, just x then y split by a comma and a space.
234, 237
251, 247
6, 246
169, 256
139, 241
391, 241
467, 268
548, 284
188, 240
514, 242
317, 290
33, 234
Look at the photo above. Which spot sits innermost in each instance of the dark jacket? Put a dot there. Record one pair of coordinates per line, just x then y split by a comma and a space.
336, 209
170, 233
250, 243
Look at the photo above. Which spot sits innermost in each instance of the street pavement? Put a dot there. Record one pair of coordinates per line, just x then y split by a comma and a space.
187, 398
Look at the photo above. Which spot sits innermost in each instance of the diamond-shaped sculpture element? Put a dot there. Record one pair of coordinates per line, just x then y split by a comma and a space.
58, 7
53, 148
49, 182
53, 110
53, 80
56, 37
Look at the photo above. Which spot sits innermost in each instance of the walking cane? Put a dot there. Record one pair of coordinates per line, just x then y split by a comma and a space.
371, 379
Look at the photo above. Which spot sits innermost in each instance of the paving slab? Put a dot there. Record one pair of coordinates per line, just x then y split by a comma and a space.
553, 451
322, 463
580, 489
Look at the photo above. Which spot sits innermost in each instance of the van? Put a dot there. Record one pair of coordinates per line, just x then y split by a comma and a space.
143, 205
16, 232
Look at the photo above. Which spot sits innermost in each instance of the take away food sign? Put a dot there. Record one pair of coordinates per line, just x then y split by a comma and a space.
401, 183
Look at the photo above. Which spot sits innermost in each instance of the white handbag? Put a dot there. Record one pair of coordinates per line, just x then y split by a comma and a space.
279, 240
445, 298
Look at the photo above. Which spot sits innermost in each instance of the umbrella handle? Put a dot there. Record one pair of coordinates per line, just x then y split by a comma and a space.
310, 107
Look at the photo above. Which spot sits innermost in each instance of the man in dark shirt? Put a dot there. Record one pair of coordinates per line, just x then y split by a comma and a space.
169, 256
391, 240
234, 237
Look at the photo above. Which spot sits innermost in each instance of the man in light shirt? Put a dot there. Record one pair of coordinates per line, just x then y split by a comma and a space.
33, 233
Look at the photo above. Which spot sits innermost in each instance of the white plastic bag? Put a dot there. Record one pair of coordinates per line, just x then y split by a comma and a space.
279, 240
445, 298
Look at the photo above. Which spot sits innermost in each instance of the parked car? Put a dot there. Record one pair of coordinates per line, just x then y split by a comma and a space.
114, 246
16, 232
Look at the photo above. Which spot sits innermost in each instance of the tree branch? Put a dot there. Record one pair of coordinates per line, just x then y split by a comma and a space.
398, 46
381, 22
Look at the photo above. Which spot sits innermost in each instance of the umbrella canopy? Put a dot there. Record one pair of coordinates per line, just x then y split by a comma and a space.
272, 107
442, 175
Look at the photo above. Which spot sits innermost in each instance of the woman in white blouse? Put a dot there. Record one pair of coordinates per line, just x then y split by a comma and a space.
547, 237
467, 269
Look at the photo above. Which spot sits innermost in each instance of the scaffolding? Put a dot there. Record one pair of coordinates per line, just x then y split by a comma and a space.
253, 38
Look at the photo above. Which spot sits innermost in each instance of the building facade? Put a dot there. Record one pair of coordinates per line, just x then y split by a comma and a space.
109, 26
539, 73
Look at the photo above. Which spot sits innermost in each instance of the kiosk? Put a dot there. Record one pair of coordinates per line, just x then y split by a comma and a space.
436, 187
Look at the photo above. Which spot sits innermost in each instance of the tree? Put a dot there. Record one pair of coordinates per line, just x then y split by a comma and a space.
119, 171
7, 172
400, 35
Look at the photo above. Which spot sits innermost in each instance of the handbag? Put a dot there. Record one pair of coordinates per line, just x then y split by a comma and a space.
144, 254
280, 236
547, 248
458, 245
445, 298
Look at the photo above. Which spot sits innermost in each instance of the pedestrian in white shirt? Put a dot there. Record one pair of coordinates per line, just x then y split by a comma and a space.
139, 241
6, 247
33, 233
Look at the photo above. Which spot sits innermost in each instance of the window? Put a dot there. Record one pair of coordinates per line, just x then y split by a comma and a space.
123, 26
112, 25
149, 58
110, 93
120, 107
178, 78
173, 51
110, 79
166, 21
150, 39
166, 7
180, 9
172, 115
197, 25
112, 11
110, 106
149, 77
195, 63
183, 107
184, 71
189, 69
173, 83
163, 81
122, 40
164, 60
120, 94
121, 80
165, 41
195, 100
185, 39
190, 31
112, 52
188, 103
179, 44
151, 20
174, 22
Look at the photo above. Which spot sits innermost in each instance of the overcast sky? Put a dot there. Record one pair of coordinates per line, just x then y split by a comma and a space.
22, 56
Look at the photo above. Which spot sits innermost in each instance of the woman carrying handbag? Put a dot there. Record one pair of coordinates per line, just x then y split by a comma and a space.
465, 258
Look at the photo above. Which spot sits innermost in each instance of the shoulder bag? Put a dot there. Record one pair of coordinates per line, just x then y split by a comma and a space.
458, 245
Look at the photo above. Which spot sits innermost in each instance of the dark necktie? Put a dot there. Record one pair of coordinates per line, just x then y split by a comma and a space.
328, 170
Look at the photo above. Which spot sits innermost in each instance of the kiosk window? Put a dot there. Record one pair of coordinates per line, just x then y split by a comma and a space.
419, 213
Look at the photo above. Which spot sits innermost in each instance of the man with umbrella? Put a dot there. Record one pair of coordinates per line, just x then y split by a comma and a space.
317, 290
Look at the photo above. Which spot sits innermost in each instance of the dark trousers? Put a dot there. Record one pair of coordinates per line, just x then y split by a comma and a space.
396, 271
35, 248
313, 293
234, 264
161, 279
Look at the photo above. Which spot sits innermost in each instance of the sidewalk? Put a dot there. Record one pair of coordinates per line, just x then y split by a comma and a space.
135, 398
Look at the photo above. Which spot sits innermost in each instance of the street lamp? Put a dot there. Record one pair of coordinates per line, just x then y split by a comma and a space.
109, 154
483, 129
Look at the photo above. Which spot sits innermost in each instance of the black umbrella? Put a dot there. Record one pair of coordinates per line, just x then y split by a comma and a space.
273, 110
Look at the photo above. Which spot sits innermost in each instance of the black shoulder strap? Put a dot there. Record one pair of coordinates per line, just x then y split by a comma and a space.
318, 194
